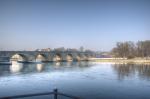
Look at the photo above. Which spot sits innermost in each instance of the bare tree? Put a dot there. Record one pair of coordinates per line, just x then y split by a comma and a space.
143, 48
124, 49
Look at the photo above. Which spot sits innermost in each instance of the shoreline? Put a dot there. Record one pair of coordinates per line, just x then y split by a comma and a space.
121, 60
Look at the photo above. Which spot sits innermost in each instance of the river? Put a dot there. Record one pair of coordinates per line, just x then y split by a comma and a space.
87, 80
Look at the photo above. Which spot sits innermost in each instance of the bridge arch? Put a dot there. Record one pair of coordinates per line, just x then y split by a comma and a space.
57, 57
19, 57
86, 57
69, 57
40, 58
78, 57
90, 56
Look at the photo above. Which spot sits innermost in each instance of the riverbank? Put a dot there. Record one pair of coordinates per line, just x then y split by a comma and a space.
122, 60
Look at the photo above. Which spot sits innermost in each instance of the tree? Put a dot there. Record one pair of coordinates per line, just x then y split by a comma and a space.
143, 48
124, 49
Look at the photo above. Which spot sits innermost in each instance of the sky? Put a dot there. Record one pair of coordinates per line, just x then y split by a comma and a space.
93, 24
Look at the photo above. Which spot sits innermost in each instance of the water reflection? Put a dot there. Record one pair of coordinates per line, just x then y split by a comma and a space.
16, 67
69, 63
24, 68
57, 64
122, 70
40, 67
129, 70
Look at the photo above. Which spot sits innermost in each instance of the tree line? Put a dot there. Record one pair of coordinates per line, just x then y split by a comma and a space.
130, 49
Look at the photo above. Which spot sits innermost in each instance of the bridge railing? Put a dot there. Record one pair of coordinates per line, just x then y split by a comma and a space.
55, 93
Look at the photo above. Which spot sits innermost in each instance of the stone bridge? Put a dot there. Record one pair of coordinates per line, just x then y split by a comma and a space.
40, 56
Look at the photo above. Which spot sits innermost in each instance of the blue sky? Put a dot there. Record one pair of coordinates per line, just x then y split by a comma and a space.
94, 24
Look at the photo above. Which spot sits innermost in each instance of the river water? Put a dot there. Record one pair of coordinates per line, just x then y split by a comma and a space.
87, 80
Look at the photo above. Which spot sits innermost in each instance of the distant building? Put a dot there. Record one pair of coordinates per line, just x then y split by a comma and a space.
60, 49
45, 50
72, 49
81, 48
88, 50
